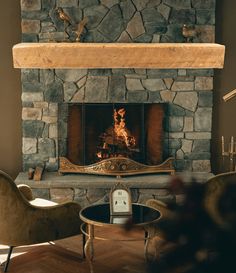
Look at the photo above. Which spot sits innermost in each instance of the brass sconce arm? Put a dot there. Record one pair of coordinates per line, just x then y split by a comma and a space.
229, 95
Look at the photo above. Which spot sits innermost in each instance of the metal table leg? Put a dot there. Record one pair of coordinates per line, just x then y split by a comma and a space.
146, 243
88, 248
83, 244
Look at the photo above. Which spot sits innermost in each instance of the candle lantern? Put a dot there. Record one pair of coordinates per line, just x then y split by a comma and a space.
229, 152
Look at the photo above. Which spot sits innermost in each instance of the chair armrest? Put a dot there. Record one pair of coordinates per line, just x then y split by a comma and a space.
166, 214
26, 191
162, 246
43, 224
162, 207
56, 222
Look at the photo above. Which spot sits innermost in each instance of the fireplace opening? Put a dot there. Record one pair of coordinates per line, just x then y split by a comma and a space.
118, 140
98, 132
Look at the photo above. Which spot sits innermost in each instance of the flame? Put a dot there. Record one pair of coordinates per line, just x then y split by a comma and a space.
120, 129
117, 139
99, 154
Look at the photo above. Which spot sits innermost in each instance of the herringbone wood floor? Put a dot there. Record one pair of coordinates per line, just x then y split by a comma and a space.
65, 256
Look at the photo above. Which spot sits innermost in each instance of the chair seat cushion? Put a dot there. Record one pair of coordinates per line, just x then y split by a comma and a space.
40, 202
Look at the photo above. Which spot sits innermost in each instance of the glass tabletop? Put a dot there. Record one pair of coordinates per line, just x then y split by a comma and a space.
100, 214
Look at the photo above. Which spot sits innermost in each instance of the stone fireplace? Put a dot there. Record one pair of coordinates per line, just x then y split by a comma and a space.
49, 94
188, 94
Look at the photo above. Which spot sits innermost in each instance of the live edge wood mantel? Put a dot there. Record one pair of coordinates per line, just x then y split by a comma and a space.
119, 55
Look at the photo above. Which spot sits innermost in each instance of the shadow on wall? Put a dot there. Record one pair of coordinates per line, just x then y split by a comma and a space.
224, 81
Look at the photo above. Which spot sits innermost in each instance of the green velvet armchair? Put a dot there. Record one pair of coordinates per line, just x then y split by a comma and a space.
26, 221
218, 190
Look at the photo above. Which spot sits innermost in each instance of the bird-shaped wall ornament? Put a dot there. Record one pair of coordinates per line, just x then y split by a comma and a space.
189, 32
81, 27
63, 16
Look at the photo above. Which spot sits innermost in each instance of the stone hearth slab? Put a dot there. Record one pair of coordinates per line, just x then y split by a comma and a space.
92, 189
157, 181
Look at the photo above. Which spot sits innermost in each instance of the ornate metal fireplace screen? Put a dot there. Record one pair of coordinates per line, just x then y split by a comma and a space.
116, 139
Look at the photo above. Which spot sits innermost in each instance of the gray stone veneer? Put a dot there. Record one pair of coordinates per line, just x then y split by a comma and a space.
90, 189
187, 92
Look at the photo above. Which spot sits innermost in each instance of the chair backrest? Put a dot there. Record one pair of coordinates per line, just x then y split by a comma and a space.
22, 223
12, 208
215, 188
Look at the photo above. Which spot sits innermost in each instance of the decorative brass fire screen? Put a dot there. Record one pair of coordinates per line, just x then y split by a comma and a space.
116, 166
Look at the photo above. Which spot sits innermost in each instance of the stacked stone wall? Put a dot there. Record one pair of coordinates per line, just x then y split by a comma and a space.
188, 92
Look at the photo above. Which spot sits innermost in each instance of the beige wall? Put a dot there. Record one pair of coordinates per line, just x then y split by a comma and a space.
224, 118
10, 90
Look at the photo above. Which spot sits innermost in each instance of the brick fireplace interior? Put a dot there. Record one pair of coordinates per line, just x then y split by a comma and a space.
48, 95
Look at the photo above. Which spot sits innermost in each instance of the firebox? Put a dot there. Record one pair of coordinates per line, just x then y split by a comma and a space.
116, 139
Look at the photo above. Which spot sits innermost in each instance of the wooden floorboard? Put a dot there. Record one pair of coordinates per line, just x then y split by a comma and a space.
65, 256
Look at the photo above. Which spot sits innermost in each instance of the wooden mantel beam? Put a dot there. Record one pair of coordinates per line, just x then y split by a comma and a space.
118, 55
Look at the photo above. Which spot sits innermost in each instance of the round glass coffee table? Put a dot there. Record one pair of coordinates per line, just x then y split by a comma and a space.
99, 215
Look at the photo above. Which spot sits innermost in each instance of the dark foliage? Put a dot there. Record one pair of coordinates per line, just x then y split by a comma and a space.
198, 244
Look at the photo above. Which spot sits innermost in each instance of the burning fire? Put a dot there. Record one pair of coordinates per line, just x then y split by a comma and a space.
120, 129
117, 139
